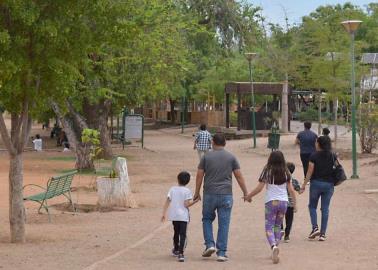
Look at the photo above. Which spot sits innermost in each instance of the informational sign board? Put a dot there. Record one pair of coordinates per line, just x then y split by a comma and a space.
134, 127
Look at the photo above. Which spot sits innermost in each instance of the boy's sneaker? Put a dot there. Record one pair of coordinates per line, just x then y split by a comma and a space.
175, 253
221, 258
286, 239
322, 237
208, 252
314, 233
181, 258
275, 252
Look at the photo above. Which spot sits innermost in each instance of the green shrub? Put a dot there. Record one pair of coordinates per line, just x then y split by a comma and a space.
312, 115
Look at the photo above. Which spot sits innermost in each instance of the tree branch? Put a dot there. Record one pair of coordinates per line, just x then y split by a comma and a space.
25, 133
20, 139
80, 121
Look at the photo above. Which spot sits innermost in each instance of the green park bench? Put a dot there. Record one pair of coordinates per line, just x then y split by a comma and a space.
56, 186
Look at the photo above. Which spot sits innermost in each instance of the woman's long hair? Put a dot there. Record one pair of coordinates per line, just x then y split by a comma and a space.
276, 169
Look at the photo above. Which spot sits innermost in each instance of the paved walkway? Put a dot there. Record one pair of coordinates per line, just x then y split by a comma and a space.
351, 242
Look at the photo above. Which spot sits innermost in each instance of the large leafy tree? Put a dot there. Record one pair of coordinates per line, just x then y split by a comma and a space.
225, 28
136, 54
327, 49
41, 47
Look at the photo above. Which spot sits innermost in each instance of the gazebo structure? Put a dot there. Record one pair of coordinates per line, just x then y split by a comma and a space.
262, 88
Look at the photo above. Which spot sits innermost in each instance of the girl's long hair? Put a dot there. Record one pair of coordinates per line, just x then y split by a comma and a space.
277, 172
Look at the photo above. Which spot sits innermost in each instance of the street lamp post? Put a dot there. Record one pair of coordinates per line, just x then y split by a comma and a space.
351, 27
250, 57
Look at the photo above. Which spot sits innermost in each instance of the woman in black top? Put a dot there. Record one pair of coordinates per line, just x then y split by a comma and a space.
320, 175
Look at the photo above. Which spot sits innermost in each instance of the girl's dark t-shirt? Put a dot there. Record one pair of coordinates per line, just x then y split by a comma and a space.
323, 166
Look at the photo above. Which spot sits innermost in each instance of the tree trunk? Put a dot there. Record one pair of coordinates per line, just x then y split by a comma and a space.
335, 107
173, 115
83, 158
96, 116
16, 200
320, 113
107, 151
105, 140
116, 191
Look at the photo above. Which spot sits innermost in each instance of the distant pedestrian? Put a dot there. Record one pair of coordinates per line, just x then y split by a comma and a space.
215, 171
202, 141
179, 199
37, 142
320, 176
276, 179
306, 140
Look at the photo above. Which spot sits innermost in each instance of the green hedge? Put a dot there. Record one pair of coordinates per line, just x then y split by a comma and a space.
312, 115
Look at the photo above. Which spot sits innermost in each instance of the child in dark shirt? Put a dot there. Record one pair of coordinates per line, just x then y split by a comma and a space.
289, 216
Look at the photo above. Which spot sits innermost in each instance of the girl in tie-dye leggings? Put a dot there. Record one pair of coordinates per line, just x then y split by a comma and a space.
277, 180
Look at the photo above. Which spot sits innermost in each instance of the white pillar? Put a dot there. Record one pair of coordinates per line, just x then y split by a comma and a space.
285, 109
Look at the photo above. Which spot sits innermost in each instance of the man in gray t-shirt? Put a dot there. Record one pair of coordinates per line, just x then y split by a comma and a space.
215, 170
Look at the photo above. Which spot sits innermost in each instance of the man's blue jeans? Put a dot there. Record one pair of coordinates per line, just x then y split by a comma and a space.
324, 190
222, 205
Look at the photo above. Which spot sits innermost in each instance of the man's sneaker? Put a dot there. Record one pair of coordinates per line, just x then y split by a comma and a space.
314, 233
287, 239
275, 252
181, 258
175, 253
208, 252
322, 237
221, 258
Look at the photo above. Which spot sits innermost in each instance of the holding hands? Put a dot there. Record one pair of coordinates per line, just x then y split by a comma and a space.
196, 197
247, 198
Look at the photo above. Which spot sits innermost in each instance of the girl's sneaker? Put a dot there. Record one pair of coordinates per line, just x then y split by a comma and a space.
181, 258
322, 237
175, 253
286, 239
275, 252
314, 233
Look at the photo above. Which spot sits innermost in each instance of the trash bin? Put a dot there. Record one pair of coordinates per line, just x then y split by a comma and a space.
274, 138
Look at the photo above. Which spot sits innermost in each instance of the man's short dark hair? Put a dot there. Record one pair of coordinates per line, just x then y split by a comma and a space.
183, 178
307, 125
219, 139
203, 127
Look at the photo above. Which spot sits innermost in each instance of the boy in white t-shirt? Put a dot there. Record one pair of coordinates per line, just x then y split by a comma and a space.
179, 199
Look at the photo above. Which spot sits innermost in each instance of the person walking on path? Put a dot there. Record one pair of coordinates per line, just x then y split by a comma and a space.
179, 199
215, 171
320, 175
306, 140
289, 216
202, 141
277, 180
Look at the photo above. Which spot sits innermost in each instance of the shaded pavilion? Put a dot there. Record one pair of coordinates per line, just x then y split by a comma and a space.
260, 88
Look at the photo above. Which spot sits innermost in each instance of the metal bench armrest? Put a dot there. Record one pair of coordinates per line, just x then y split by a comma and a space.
34, 186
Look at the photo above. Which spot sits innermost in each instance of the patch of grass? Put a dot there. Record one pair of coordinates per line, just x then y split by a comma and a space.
99, 172
62, 158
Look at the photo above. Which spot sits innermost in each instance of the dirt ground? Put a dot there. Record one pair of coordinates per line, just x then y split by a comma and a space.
135, 239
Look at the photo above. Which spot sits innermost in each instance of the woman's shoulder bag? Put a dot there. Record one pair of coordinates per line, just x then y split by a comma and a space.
339, 175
